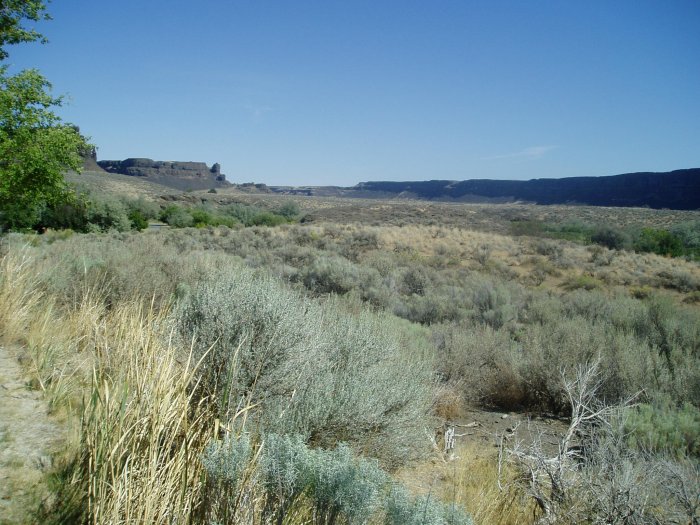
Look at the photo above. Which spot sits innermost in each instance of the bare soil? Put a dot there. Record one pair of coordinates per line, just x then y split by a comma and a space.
488, 428
28, 436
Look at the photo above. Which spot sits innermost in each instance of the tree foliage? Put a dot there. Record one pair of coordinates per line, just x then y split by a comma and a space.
36, 147
12, 15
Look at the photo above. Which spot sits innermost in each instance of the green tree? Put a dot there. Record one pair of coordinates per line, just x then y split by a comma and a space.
661, 242
12, 14
36, 147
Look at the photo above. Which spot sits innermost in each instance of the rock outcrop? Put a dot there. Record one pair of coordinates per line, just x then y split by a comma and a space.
175, 174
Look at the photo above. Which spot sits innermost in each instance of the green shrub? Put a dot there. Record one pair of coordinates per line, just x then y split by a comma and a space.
225, 461
661, 242
689, 234
285, 473
226, 464
664, 428
254, 216
176, 216
138, 221
148, 209
266, 218
104, 214
610, 237
65, 215
416, 280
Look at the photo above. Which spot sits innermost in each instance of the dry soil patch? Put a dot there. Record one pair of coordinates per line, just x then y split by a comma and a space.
27, 438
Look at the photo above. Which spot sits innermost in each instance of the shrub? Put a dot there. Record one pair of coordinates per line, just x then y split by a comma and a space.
285, 473
225, 461
610, 237
148, 209
138, 221
334, 274
104, 214
313, 369
585, 282
254, 216
661, 242
402, 509
664, 428
289, 210
689, 234
344, 486
338, 484
679, 279
416, 280
176, 216
65, 215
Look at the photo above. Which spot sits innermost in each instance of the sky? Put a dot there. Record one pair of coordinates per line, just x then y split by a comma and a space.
336, 92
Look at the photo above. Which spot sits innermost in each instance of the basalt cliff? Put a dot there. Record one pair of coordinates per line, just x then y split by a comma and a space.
175, 174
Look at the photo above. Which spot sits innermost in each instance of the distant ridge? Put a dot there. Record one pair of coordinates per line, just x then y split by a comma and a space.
678, 190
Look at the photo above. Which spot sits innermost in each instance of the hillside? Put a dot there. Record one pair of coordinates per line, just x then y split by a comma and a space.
679, 189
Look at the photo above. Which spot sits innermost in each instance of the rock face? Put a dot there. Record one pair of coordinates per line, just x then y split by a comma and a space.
676, 190
179, 175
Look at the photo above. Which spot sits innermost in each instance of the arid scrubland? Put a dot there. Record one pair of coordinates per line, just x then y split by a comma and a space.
301, 373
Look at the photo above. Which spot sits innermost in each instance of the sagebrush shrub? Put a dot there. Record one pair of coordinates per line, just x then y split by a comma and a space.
402, 509
310, 368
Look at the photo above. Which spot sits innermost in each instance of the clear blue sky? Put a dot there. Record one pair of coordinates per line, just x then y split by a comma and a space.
337, 92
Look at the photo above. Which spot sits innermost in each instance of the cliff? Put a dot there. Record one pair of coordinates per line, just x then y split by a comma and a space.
679, 190
179, 175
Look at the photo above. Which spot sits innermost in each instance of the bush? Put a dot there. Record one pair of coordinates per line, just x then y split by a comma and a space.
578, 282
338, 484
313, 369
289, 210
342, 485
416, 280
177, 217
285, 473
664, 428
138, 221
610, 237
402, 509
226, 463
661, 242
104, 214
254, 216
333, 274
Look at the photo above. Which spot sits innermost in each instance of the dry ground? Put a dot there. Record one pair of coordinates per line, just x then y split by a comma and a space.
28, 436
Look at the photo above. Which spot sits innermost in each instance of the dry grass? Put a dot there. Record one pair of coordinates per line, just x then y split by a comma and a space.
19, 290
137, 455
471, 481
522, 258
142, 436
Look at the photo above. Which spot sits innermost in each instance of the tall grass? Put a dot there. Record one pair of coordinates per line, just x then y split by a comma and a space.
20, 294
137, 455
141, 435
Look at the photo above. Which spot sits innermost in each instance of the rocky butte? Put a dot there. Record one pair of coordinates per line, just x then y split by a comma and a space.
176, 174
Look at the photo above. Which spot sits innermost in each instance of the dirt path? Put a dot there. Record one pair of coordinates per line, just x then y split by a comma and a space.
27, 437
